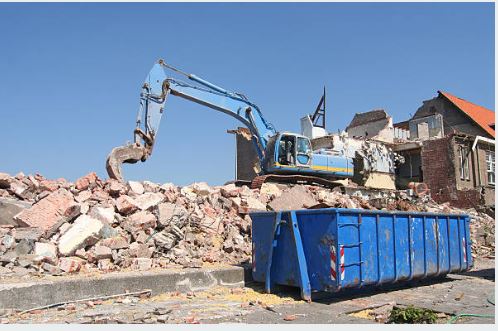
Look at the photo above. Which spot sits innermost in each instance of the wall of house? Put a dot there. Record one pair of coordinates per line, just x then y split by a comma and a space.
247, 162
456, 144
453, 118
480, 160
382, 130
441, 169
434, 124
410, 170
373, 161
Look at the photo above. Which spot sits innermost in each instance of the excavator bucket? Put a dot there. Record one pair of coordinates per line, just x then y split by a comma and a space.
123, 154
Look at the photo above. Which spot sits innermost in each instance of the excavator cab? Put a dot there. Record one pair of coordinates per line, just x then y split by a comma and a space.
294, 150
288, 152
291, 154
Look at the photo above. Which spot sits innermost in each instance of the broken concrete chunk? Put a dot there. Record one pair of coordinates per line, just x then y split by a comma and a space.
188, 193
172, 214
296, 198
126, 205
5, 271
51, 269
8, 257
229, 191
150, 186
148, 200
28, 233
24, 247
48, 214
165, 240
26, 260
20, 190
5, 180
103, 214
49, 185
83, 196
8, 241
46, 252
255, 204
141, 264
168, 187
85, 231
108, 231
9, 208
115, 242
140, 221
139, 250
116, 188
105, 265
136, 187
103, 252
64, 227
270, 189
201, 188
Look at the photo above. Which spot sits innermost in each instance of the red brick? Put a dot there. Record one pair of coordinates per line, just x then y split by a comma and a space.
126, 205
84, 182
49, 213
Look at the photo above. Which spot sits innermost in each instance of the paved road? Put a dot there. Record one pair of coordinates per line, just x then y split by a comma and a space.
463, 293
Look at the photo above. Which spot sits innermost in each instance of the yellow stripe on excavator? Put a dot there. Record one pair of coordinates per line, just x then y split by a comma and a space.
317, 167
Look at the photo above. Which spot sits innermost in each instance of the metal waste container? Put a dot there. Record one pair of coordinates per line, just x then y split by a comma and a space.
332, 249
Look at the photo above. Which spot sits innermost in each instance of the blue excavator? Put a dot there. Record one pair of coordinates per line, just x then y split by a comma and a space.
283, 156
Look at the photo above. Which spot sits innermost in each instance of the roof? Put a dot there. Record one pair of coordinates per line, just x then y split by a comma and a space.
483, 117
367, 117
402, 125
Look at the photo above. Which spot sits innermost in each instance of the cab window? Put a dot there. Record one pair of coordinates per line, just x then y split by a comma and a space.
303, 146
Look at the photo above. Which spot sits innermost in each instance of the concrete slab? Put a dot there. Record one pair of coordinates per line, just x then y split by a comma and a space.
36, 293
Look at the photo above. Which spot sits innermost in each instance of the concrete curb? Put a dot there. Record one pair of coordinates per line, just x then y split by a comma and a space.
31, 294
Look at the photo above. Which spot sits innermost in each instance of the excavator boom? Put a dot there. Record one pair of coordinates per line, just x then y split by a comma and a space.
157, 87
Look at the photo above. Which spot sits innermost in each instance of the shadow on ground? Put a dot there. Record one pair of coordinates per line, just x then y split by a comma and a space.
347, 294
488, 274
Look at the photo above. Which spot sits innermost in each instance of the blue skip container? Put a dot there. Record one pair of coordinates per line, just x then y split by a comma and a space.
332, 249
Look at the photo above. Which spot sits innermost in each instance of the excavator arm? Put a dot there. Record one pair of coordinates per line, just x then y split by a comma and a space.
155, 91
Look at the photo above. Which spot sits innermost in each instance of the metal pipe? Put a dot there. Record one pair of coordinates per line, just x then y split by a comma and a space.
208, 84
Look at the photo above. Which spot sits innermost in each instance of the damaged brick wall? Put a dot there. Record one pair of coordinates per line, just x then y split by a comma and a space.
440, 166
247, 161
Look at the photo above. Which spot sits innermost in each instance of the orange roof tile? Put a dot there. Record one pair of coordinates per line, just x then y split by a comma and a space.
481, 116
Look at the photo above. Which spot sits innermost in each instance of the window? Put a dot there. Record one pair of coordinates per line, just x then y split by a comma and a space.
490, 167
303, 146
464, 163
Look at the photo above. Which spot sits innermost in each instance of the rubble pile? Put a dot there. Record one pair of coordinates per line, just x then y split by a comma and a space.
56, 226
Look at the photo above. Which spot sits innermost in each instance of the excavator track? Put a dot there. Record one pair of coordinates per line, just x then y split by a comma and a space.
295, 179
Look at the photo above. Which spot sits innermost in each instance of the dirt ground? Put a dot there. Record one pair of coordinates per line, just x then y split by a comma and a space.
468, 293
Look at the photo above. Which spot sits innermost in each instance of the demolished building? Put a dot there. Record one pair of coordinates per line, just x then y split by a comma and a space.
446, 149
451, 149
367, 141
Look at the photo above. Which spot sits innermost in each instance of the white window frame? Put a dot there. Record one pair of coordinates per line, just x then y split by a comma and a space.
490, 167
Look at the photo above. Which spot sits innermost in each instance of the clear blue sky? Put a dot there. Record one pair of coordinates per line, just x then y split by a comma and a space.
70, 74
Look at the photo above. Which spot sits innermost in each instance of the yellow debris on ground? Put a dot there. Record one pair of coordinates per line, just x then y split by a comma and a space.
242, 295
366, 314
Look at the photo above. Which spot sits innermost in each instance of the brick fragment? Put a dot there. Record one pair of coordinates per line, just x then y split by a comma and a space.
70, 264
84, 182
126, 205
49, 214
